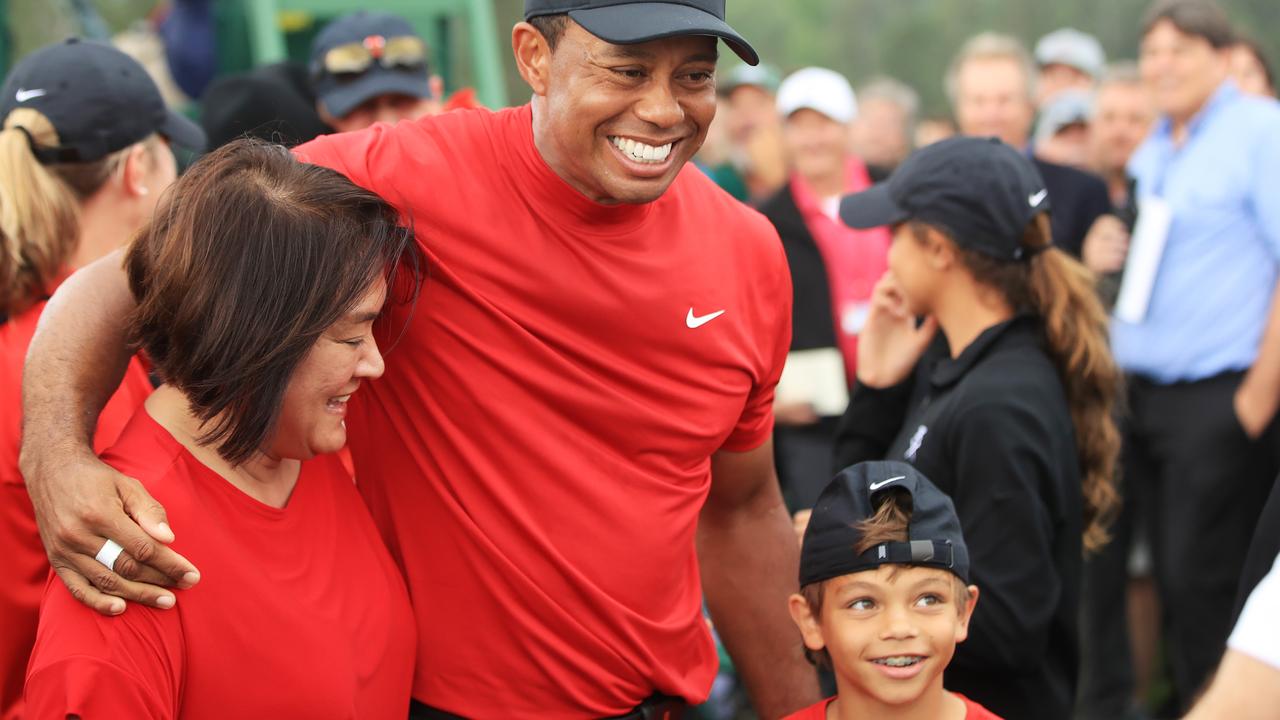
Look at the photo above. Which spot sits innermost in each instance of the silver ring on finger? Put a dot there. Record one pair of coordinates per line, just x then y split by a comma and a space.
108, 554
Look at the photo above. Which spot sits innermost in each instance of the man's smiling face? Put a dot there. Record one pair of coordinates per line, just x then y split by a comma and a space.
619, 122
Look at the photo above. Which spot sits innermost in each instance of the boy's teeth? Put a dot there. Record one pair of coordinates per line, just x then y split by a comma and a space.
898, 661
641, 152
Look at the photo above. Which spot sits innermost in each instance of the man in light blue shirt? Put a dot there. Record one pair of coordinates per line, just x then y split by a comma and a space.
1204, 362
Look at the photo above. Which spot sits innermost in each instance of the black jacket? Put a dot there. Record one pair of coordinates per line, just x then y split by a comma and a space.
1078, 198
812, 320
992, 429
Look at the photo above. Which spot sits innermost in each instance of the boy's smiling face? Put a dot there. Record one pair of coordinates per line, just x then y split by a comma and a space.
891, 631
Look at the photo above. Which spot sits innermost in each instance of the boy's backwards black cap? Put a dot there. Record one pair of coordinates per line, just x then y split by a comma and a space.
626, 22
980, 190
98, 99
933, 532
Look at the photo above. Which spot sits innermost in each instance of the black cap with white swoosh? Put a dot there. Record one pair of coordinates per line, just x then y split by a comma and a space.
981, 191
98, 99
625, 22
933, 531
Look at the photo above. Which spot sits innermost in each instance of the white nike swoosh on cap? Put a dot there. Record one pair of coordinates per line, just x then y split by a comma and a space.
25, 95
694, 321
877, 485
1038, 197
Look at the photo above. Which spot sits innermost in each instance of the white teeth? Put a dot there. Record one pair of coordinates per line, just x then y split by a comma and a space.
641, 152
898, 661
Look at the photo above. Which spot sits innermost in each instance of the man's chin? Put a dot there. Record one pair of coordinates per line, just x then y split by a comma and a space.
638, 191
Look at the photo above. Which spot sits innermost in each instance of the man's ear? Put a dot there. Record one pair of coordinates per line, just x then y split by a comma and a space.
966, 614
533, 56
804, 619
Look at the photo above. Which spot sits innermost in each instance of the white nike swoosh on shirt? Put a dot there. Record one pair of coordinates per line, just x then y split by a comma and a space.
1038, 197
25, 95
694, 321
877, 485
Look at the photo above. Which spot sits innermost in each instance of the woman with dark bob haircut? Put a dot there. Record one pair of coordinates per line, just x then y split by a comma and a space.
258, 283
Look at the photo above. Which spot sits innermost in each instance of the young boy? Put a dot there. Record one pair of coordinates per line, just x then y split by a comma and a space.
884, 596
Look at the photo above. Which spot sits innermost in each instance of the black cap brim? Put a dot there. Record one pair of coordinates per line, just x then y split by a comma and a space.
871, 208
182, 132
341, 100
641, 22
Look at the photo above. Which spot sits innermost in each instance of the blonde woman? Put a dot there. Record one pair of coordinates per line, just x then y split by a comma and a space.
84, 155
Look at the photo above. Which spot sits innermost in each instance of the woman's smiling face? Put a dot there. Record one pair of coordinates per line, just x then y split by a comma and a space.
315, 401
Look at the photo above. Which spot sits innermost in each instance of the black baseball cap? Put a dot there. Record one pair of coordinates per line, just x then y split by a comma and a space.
933, 532
342, 93
980, 190
626, 22
98, 99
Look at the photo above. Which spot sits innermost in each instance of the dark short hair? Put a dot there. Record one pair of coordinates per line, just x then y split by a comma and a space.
250, 258
552, 27
1255, 49
1201, 18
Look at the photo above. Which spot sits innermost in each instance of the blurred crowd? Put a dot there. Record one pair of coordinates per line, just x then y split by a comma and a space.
1158, 182
793, 144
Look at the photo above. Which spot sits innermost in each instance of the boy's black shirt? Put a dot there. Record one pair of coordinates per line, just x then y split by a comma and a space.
992, 429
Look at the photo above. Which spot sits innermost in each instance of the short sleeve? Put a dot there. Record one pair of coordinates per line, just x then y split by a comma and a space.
1262, 192
373, 159
347, 153
1257, 632
87, 665
755, 425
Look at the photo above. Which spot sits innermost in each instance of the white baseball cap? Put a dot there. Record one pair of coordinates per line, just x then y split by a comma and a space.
820, 89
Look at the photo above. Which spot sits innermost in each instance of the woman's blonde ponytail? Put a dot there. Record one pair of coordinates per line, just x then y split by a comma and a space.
39, 213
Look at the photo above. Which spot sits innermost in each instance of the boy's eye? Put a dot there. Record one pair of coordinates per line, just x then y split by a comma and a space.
929, 599
862, 604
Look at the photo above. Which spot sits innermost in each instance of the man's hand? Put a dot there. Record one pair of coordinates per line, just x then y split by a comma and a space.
1258, 396
1255, 408
74, 363
1106, 246
81, 503
891, 343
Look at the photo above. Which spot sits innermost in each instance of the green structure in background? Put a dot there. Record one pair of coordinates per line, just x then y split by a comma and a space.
461, 35
6, 42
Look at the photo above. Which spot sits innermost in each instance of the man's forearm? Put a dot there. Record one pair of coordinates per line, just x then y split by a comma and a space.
1261, 385
76, 359
750, 565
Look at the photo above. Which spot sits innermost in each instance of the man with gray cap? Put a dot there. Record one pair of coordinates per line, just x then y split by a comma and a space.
1068, 60
1062, 132
571, 440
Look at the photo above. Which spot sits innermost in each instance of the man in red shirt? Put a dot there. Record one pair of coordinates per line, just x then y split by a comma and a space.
572, 433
